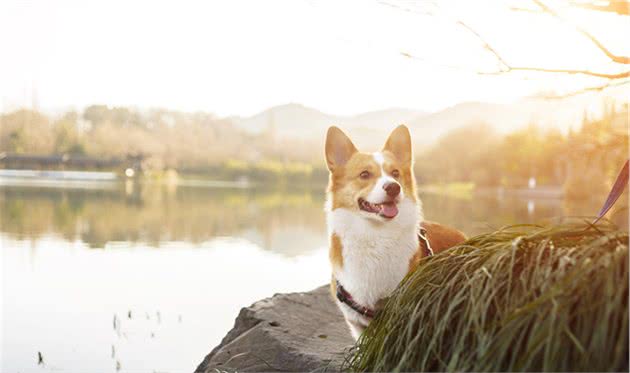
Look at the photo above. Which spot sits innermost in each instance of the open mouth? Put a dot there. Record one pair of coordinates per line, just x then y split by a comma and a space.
386, 209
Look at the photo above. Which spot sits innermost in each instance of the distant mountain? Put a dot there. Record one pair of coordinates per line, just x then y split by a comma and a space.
295, 121
505, 118
301, 122
290, 120
388, 117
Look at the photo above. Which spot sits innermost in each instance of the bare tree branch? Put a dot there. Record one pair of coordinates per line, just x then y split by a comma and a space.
598, 44
506, 67
487, 46
621, 75
621, 7
434, 63
524, 10
409, 10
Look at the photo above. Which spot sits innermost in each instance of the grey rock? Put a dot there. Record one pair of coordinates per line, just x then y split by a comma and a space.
293, 332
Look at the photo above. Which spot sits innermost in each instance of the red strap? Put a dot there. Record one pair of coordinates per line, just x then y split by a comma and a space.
615, 192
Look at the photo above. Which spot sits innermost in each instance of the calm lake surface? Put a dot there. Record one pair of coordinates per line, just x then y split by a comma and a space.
134, 278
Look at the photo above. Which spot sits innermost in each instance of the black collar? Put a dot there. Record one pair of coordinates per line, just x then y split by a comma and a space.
346, 298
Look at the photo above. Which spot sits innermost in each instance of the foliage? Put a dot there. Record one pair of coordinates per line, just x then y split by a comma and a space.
598, 151
524, 298
584, 161
194, 143
473, 144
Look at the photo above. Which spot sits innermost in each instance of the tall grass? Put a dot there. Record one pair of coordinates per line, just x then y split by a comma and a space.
524, 298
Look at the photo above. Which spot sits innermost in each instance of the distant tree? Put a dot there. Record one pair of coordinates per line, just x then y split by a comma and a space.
585, 161
457, 155
26, 131
96, 114
596, 153
67, 138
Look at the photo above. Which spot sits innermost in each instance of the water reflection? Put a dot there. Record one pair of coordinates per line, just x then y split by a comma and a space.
290, 222
99, 278
482, 213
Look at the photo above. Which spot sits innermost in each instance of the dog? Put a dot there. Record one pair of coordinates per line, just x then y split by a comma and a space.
375, 223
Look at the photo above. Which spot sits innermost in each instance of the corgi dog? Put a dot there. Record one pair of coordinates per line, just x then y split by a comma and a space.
375, 223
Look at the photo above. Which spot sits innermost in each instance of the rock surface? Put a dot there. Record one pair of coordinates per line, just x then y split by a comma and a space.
288, 332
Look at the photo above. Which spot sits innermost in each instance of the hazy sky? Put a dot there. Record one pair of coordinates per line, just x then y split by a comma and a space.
240, 57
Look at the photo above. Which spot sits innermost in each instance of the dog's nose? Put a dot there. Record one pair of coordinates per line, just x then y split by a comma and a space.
392, 189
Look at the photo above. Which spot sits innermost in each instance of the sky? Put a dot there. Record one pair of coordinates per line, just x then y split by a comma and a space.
241, 57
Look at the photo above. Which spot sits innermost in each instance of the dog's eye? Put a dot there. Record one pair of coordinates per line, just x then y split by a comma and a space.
365, 175
395, 173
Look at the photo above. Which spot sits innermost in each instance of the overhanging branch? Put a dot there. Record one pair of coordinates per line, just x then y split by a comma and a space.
621, 75
615, 58
621, 7
507, 67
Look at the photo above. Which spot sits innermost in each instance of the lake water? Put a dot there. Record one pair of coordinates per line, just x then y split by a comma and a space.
128, 277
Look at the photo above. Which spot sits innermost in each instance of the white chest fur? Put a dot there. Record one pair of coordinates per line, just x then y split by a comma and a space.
376, 254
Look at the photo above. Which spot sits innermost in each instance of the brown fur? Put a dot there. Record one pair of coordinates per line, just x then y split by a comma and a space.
440, 238
415, 259
335, 253
333, 287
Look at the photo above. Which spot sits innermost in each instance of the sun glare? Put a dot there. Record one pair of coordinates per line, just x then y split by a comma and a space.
241, 57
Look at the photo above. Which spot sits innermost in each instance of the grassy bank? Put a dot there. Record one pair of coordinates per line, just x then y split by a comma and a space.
524, 298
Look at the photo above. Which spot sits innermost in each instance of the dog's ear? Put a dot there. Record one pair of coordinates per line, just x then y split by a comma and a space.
399, 143
339, 148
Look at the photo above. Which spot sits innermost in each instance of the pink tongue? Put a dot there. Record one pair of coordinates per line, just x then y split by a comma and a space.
389, 210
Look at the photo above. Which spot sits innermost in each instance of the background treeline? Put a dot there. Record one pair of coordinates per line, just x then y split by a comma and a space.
584, 160
189, 143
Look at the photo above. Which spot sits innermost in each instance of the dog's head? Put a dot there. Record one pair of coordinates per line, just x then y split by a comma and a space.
372, 184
